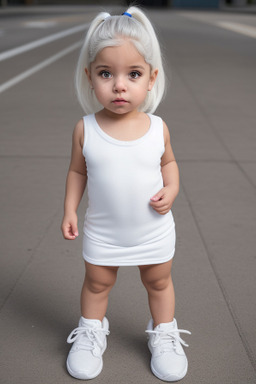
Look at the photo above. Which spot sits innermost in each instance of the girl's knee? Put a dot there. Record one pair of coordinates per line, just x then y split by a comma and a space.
159, 284
97, 287
98, 280
156, 278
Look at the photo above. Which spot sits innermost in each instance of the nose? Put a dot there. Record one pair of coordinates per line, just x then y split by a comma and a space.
120, 84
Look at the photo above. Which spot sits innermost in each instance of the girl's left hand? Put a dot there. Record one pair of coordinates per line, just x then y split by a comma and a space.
163, 200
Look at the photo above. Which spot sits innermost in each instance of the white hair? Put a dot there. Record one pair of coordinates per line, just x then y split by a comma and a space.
106, 31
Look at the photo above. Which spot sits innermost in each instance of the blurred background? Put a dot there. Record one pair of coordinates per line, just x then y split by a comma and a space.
214, 4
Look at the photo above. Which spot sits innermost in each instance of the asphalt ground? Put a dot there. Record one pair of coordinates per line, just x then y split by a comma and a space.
211, 114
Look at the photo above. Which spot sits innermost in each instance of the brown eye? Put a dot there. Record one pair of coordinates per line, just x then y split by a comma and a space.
105, 74
135, 74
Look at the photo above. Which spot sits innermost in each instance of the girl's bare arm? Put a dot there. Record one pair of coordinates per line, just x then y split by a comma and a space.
75, 184
164, 199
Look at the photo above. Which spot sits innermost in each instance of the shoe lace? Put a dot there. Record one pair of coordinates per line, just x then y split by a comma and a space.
87, 338
168, 339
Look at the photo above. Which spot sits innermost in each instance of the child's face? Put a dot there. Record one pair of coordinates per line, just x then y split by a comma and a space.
121, 78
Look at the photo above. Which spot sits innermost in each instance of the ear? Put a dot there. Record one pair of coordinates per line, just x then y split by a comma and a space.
88, 74
152, 79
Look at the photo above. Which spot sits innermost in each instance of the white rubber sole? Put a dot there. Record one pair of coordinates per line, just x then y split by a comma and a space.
170, 378
83, 375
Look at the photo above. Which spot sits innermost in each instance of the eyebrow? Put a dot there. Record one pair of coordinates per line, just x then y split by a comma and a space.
102, 66
131, 66
137, 67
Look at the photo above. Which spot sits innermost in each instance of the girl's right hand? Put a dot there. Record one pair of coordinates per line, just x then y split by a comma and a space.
69, 227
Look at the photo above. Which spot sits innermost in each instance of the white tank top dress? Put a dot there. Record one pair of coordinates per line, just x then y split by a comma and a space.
120, 227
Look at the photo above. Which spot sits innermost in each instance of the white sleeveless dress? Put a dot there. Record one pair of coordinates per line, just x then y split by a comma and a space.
120, 227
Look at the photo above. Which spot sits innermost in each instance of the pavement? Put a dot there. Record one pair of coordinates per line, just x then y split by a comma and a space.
211, 114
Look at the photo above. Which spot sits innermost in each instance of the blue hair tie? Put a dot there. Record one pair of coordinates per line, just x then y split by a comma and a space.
127, 14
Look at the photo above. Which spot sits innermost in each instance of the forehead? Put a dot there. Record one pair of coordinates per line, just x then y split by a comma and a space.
121, 55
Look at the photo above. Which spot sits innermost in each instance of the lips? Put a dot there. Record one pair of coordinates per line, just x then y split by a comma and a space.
119, 101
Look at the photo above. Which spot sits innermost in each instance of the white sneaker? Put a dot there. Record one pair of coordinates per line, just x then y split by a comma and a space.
168, 362
85, 357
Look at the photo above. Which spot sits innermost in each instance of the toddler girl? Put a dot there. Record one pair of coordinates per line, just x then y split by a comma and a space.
124, 153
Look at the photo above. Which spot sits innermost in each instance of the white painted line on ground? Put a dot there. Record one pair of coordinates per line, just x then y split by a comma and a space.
38, 43
40, 24
243, 29
17, 79
239, 28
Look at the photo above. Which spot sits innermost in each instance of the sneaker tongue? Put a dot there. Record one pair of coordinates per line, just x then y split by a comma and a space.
165, 326
90, 323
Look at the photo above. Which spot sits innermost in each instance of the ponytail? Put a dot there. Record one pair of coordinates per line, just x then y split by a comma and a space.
159, 89
84, 93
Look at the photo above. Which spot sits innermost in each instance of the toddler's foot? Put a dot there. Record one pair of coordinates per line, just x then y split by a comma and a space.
168, 362
85, 357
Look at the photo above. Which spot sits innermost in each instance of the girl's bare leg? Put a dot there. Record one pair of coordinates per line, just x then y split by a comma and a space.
98, 282
158, 282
